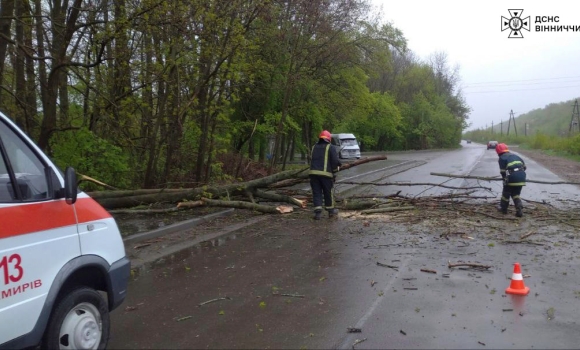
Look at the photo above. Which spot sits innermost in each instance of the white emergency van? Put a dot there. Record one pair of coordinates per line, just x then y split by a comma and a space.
346, 145
62, 260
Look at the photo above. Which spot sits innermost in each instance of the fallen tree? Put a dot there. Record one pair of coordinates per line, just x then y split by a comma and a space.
250, 190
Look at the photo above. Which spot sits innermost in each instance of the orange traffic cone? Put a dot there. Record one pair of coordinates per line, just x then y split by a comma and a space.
517, 285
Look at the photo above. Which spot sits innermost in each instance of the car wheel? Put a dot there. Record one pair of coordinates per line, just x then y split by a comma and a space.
80, 320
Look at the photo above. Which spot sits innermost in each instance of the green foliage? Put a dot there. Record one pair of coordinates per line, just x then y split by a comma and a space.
186, 83
91, 156
378, 127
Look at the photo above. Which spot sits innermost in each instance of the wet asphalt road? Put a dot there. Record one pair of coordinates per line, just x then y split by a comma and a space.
328, 271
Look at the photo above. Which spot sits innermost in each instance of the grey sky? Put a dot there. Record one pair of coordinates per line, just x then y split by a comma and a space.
498, 74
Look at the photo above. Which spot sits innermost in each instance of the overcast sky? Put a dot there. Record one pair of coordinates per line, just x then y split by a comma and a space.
498, 74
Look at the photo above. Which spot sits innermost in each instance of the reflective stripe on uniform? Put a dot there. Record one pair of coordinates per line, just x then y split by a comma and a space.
320, 172
516, 184
515, 162
326, 157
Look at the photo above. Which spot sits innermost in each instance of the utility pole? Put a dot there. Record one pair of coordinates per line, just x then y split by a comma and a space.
501, 128
575, 121
510, 121
492, 127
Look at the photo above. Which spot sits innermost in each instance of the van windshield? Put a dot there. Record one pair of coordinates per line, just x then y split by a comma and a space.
348, 142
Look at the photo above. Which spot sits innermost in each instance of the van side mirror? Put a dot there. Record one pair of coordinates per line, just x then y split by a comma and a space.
70, 185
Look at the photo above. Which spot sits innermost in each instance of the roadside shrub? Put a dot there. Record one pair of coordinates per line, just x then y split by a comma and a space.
540, 141
572, 145
91, 156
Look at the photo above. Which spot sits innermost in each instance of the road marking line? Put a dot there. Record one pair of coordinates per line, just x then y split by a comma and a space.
348, 340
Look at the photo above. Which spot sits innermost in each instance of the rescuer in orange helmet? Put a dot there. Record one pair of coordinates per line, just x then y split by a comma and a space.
323, 168
513, 171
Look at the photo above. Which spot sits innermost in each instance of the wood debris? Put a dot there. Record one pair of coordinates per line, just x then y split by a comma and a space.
471, 265
213, 301
389, 266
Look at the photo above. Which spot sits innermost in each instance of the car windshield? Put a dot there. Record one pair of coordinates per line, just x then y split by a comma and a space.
348, 142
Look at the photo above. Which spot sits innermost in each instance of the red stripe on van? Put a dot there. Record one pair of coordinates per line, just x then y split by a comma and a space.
23, 219
89, 210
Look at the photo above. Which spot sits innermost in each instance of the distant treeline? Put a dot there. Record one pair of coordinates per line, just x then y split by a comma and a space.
555, 127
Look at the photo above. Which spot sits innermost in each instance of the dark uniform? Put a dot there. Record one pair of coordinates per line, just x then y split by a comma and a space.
325, 164
513, 172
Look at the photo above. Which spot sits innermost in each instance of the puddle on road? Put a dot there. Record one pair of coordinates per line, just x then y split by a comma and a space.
183, 255
130, 224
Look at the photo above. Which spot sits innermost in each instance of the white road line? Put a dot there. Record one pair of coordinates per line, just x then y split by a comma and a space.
349, 339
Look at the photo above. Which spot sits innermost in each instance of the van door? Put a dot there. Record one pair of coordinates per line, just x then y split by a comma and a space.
38, 231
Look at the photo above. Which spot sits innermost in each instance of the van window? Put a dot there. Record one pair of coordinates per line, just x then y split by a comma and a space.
27, 167
348, 142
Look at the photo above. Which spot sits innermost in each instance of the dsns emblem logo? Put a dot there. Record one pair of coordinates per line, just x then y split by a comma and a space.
515, 24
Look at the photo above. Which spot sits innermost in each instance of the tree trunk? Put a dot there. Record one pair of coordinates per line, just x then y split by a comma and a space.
6, 15
19, 62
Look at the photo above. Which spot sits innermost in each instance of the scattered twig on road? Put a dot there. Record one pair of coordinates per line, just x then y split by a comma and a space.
522, 242
386, 210
543, 202
527, 235
505, 310
389, 266
402, 332
473, 265
183, 318
428, 270
353, 330
411, 288
213, 301
358, 341
143, 245
289, 295
460, 234
481, 343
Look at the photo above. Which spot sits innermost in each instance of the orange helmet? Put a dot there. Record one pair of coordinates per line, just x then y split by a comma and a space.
501, 148
325, 135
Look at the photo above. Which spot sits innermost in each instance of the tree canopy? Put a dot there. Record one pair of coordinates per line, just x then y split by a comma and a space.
154, 93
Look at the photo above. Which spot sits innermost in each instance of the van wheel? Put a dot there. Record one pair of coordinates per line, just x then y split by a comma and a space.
80, 320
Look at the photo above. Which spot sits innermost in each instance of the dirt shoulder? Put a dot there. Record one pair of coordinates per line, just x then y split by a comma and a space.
565, 168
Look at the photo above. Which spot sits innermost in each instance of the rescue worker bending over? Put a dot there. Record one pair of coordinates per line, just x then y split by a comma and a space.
325, 164
513, 172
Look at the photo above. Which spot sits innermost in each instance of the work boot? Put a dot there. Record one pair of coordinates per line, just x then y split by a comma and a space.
519, 206
317, 215
332, 213
501, 209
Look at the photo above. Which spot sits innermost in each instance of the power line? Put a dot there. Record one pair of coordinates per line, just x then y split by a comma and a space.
546, 88
516, 84
515, 81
